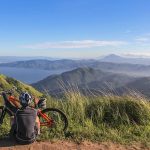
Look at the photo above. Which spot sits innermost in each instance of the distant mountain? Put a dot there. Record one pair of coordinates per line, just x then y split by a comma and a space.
8, 59
82, 78
48, 64
112, 58
136, 70
109, 58
119, 59
7, 83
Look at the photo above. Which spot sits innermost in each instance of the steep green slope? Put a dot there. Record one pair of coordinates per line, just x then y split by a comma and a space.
7, 83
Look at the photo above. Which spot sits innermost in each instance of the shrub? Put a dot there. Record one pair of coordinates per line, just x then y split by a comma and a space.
116, 111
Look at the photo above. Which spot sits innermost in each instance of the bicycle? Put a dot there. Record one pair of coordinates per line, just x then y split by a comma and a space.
52, 118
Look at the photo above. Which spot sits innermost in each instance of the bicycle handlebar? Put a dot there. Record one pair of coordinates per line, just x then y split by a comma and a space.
9, 92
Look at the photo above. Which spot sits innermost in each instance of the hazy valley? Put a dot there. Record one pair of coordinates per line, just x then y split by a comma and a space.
109, 74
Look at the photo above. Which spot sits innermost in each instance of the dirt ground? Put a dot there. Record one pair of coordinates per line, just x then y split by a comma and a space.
68, 145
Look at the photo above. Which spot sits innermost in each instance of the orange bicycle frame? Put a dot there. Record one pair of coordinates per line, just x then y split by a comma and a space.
48, 120
13, 100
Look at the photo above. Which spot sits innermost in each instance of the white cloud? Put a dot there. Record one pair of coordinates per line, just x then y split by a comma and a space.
74, 44
143, 39
137, 54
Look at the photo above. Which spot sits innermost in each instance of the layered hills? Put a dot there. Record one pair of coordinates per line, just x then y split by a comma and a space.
111, 72
83, 78
109, 63
48, 64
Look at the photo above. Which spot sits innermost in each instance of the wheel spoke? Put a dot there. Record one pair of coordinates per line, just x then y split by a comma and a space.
58, 121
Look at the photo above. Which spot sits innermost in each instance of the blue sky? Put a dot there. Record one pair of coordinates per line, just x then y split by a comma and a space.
74, 28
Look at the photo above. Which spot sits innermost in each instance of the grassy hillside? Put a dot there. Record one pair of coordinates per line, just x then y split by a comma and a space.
110, 118
123, 119
7, 83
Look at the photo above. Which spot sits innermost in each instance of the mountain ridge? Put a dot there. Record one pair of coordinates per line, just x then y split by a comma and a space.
66, 65
122, 59
82, 78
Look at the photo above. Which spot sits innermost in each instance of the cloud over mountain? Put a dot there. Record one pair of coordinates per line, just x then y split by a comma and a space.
74, 44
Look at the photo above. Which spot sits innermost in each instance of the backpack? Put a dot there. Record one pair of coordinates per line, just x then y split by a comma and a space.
26, 131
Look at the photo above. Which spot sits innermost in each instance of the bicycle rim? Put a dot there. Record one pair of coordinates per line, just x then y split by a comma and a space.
57, 120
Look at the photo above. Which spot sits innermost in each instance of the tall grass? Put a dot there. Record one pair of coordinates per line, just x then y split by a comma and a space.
101, 118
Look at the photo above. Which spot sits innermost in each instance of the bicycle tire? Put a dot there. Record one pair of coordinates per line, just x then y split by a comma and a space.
59, 112
1, 113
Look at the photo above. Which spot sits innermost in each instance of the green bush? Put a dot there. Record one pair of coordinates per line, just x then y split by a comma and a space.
117, 111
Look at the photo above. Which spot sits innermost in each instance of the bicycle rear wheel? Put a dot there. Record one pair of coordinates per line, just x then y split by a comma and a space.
57, 120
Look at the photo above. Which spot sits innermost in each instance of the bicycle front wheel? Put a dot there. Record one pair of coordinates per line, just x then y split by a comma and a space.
54, 119
1, 114
4, 121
